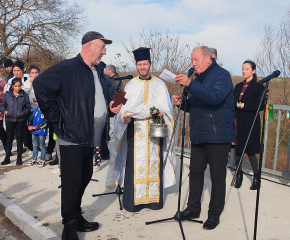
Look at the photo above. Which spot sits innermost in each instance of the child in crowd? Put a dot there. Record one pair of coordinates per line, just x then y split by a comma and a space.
27, 85
33, 71
16, 106
38, 127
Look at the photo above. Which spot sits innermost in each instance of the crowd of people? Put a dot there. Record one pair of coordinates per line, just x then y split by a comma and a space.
72, 101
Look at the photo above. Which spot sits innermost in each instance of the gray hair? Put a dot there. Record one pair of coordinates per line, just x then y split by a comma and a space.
111, 68
214, 51
205, 50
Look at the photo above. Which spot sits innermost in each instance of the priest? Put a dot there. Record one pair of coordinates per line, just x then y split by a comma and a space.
137, 160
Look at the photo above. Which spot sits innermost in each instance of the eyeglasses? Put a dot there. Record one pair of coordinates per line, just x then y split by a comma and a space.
103, 48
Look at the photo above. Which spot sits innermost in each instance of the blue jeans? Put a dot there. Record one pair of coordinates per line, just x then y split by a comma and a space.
39, 141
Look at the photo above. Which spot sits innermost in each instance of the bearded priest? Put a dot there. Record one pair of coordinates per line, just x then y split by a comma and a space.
137, 159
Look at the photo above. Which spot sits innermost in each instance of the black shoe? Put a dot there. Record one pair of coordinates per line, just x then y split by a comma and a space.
256, 182
70, 231
18, 162
5, 162
189, 214
239, 179
84, 226
54, 162
211, 223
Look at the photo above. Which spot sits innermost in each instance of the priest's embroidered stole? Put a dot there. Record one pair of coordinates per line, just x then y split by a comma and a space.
146, 164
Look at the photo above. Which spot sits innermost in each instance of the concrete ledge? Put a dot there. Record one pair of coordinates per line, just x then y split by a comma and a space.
26, 223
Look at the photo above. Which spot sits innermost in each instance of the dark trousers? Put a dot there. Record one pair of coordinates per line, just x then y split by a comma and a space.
216, 155
27, 137
76, 172
18, 127
3, 135
51, 141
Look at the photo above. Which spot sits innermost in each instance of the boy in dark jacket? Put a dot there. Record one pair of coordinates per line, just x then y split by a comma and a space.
38, 127
16, 106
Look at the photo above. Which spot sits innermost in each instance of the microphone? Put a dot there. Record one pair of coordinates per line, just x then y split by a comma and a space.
122, 78
190, 71
268, 78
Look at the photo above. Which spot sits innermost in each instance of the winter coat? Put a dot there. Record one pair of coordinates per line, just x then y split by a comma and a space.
67, 91
36, 119
245, 117
2, 86
211, 106
17, 107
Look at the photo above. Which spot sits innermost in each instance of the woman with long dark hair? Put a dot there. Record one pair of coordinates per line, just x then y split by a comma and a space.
247, 98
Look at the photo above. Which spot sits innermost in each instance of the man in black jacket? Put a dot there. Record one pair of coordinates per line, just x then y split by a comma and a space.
73, 95
8, 64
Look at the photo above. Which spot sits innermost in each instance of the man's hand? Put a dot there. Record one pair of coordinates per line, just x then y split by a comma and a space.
240, 105
182, 79
176, 100
30, 128
115, 109
127, 119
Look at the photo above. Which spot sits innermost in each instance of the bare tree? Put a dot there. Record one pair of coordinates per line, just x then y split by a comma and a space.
44, 25
274, 54
166, 51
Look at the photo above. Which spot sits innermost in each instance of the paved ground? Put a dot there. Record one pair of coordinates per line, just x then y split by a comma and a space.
36, 191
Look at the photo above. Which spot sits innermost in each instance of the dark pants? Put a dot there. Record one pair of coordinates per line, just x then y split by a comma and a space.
3, 135
51, 141
27, 137
76, 172
18, 127
216, 155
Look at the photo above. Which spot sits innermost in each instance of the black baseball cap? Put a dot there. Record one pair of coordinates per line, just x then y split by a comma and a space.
90, 36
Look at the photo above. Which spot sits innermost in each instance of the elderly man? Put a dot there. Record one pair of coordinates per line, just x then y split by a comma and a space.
211, 107
213, 53
112, 73
73, 95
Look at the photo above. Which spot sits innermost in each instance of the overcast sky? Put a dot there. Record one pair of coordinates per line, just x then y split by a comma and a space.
233, 27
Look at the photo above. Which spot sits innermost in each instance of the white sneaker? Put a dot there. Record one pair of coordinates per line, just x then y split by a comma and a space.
31, 162
41, 163
96, 168
56, 171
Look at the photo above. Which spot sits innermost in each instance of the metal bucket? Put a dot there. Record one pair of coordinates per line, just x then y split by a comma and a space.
158, 130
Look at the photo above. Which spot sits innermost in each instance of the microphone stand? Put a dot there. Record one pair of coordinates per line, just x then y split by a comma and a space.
263, 98
119, 190
179, 214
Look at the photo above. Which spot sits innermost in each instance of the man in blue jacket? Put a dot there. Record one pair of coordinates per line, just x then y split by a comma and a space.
211, 107
74, 96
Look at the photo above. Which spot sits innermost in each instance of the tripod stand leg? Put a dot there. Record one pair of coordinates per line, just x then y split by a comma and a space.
102, 194
118, 191
181, 229
161, 220
197, 221
121, 206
